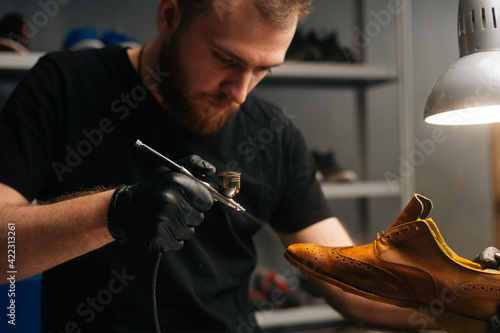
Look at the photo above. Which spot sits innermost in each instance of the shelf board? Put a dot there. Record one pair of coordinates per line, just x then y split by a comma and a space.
331, 72
290, 72
356, 190
10, 61
302, 315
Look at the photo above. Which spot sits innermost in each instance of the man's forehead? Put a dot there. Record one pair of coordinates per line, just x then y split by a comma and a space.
224, 8
276, 15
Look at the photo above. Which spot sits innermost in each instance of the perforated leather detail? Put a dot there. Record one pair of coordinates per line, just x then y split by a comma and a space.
377, 274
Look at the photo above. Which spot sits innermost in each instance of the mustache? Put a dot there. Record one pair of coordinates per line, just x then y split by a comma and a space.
219, 101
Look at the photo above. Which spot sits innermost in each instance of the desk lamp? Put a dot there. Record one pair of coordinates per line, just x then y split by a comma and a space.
468, 92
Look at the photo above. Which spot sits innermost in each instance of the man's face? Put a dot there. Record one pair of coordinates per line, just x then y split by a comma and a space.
215, 62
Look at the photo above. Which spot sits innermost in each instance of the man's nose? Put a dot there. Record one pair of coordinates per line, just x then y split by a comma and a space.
238, 85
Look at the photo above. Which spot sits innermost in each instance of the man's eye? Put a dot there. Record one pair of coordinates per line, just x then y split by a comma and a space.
224, 61
265, 70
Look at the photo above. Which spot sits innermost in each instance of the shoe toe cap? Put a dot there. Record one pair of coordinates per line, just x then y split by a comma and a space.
307, 254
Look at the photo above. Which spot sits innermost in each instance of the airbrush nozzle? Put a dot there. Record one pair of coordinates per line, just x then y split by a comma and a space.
138, 144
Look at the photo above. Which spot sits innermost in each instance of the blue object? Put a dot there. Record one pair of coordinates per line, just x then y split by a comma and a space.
117, 37
20, 305
81, 39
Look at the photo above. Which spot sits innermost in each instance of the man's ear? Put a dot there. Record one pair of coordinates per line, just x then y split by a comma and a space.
168, 17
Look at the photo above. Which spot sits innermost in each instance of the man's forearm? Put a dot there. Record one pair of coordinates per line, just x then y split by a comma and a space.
48, 235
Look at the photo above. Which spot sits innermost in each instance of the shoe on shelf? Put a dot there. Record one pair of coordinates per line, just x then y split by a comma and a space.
304, 49
117, 37
333, 51
329, 170
410, 266
311, 47
84, 38
14, 34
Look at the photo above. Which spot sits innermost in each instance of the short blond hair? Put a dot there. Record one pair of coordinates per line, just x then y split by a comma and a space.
279, 14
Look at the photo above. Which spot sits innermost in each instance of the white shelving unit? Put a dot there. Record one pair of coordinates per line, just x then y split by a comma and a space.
362, 76
341, 74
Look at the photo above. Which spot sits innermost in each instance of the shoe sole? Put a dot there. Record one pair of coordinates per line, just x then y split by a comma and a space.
448, 321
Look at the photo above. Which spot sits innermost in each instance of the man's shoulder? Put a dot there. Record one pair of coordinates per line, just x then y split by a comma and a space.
110, 51
108, 67
261, 110
255, 102
258, 107
83, 58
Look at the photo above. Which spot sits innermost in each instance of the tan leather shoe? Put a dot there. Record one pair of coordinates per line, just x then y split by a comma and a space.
410, 266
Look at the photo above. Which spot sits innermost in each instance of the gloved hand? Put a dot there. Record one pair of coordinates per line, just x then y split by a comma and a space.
161, 212
488, 258
494, 322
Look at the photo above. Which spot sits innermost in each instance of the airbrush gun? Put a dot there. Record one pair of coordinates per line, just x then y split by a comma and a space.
229, 181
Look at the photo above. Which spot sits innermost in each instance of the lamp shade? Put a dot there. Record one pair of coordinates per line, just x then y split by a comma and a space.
468, 92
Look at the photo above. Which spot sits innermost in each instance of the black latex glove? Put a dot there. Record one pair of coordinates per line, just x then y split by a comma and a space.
494, 322
489, 258
161, 212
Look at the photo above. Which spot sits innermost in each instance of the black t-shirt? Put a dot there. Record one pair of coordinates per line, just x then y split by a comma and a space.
70, 125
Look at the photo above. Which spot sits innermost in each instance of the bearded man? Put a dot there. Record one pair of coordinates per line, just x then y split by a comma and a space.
92, 212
